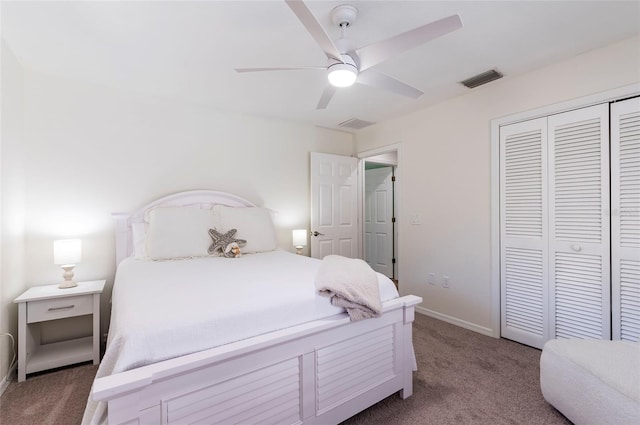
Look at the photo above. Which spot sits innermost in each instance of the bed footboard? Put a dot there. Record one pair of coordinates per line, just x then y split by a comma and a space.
320, 372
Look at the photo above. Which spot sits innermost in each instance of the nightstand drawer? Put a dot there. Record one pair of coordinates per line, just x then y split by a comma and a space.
59, 308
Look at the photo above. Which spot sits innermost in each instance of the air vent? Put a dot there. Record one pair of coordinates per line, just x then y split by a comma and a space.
481, 79
356, 123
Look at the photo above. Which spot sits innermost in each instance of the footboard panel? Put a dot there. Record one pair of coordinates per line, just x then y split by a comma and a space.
352, 366
323, 372
269, 394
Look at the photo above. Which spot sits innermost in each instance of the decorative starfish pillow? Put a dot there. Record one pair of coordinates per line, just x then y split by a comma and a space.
221, 241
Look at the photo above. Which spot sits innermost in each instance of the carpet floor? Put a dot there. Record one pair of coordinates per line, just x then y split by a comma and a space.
48, 398
463, 378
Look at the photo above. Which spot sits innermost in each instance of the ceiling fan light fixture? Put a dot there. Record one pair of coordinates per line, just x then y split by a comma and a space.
342, 74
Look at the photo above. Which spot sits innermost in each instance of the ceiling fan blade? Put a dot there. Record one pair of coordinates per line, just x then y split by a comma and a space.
324, 68
327, 94
373, 54
382, 81
315, 29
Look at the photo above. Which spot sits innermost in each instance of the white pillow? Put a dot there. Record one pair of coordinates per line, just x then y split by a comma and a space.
179, 232
139, 239
253, 224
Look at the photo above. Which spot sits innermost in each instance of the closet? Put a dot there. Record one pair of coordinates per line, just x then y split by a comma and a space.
570, 225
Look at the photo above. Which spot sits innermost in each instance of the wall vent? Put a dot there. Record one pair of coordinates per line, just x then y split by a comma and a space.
481, 79
356, 123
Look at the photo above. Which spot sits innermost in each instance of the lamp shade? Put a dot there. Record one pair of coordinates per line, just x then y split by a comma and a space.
300, 237
67, 252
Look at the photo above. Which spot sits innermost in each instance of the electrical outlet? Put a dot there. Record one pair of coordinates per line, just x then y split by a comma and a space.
431, 279
415, 219
445, 281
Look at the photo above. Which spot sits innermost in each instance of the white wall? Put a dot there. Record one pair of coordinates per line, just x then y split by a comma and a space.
11, 201
445, 175
92, 150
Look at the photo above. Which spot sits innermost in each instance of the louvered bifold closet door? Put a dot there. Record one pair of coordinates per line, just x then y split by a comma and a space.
523, 234
625, 219
579, 224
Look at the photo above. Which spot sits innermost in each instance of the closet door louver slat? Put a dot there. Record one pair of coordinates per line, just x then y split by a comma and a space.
523, 180
625, 220
579, 223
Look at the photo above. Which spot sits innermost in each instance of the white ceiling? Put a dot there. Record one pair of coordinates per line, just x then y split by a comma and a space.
188, 50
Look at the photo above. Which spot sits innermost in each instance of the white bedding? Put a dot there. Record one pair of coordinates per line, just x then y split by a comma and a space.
165, 309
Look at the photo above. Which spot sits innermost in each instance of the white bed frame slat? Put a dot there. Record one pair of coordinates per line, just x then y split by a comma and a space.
284, 376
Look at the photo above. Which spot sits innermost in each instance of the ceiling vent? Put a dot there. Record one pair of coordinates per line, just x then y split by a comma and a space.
481, 79
356, 123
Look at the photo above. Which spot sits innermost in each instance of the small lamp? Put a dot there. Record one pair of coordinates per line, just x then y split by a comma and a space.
66, 254
299, 239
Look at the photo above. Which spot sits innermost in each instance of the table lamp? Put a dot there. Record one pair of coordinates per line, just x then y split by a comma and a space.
66, 254
299, 239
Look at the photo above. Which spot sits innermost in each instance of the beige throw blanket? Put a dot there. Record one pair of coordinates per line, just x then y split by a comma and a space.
351, 284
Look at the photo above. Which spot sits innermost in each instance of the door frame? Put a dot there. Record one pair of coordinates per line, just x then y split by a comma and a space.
619, 93
362, 156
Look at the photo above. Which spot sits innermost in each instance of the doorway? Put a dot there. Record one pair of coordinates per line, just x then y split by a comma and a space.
379, 238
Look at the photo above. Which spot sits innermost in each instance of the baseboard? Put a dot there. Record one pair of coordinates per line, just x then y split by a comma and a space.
7, 379
455, 321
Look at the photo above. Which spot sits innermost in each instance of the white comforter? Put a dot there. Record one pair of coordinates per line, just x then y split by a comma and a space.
165, 309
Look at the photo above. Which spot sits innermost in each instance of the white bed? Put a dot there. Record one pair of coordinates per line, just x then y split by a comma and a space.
241, 340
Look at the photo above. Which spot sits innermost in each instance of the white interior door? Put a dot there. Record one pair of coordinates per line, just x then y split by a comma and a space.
625, 219
378, 215
524, 232
334, 205
579, 243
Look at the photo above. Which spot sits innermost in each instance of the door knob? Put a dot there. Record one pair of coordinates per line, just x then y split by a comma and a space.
316, 233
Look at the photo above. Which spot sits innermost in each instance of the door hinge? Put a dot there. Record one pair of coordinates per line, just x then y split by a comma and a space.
393, 261
393, 178
393, 219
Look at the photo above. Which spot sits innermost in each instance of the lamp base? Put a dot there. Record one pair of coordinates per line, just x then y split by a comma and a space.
68, 278
67, 284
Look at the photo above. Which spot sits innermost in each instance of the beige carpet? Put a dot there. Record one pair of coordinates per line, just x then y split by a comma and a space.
49, 398
463, 378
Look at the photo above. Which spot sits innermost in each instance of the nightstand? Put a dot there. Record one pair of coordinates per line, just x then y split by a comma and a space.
44, 303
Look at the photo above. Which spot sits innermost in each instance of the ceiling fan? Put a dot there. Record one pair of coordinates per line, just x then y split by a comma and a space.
347, 65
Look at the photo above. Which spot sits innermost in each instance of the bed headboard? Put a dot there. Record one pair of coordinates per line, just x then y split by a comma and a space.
202, 198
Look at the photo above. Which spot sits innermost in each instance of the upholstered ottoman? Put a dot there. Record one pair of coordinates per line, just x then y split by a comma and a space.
592, 381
